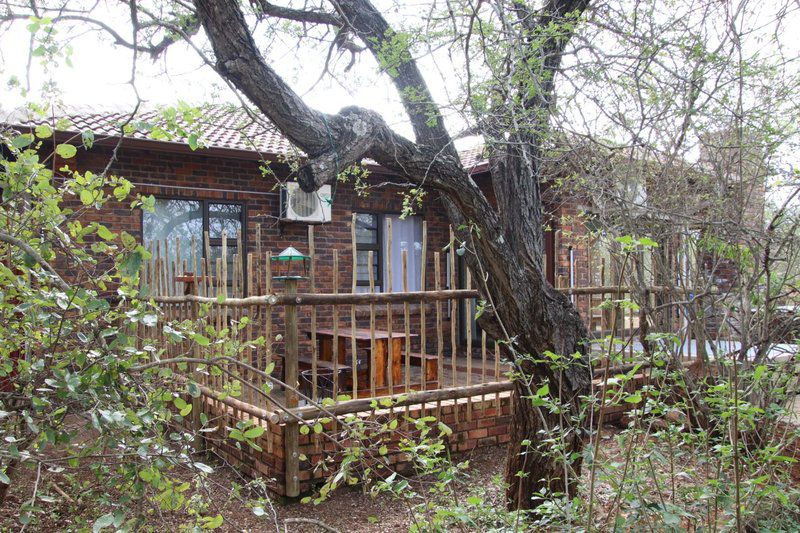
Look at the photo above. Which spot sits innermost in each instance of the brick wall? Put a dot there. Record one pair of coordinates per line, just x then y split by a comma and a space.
488, 425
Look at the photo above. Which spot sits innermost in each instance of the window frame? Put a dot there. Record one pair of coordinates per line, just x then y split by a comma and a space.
215, 241
377, 248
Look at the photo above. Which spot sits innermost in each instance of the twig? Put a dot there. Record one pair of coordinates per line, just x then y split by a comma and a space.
314, 521
4, 237
61, 492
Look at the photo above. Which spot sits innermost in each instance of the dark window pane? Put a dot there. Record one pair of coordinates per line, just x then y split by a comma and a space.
171, 220
362, 268
216, 253
224, 217
366, 228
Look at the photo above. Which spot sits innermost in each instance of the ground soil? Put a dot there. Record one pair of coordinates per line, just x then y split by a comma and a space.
348, 510
72, 500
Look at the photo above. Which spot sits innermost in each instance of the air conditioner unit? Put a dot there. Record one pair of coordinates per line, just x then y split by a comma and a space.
301, 206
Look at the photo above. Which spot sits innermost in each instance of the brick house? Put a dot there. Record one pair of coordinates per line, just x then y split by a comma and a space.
224, 185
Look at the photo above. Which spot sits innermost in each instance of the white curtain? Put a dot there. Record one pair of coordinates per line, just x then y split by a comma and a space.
406, 236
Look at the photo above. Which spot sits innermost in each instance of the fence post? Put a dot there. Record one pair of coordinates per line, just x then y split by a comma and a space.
291, 433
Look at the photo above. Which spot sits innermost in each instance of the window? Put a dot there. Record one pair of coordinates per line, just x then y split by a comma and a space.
173, 219
368, 239
372, 235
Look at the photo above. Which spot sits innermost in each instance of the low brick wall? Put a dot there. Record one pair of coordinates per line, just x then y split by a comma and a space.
485, 423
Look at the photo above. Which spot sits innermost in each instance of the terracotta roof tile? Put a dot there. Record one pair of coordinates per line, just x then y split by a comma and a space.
219, 126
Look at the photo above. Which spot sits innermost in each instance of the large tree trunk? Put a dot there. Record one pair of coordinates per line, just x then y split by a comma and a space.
537, 470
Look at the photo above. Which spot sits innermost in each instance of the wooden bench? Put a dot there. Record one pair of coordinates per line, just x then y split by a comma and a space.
431, 364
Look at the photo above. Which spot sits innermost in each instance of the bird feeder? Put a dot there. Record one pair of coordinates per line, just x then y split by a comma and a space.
290, 264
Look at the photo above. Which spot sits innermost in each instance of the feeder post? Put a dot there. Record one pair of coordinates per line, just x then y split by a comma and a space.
292, 431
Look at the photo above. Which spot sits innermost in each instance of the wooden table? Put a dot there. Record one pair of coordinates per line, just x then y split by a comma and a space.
189, 280
385, 345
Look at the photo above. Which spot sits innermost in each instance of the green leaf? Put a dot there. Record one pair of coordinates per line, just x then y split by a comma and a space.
200, 339
648, 242
87, 197
131, 264
43, 131
254, 432
634, 398
103, 522
21, 141
213, 523
193, 141
104, 233
87, 138
67, 151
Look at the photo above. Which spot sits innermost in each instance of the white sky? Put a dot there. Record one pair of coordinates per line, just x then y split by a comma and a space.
99, 76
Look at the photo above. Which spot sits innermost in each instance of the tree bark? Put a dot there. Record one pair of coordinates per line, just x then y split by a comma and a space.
505, 245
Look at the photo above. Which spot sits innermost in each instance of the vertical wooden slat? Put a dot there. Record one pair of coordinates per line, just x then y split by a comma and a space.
353, 324
268, 312
483, 358
240, 263
389, 318
157, 269
251, 312
224, 288
373, 355
313, 285
437, 284
453, 308
209, 271
453, 320
177, 271
423, 324
407, 323
198, 404
166, 263
497, 372
259, 267
235, 278
335, 319
291, 430
468, 324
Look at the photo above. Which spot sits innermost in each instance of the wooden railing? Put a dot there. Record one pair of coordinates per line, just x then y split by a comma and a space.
354, 345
